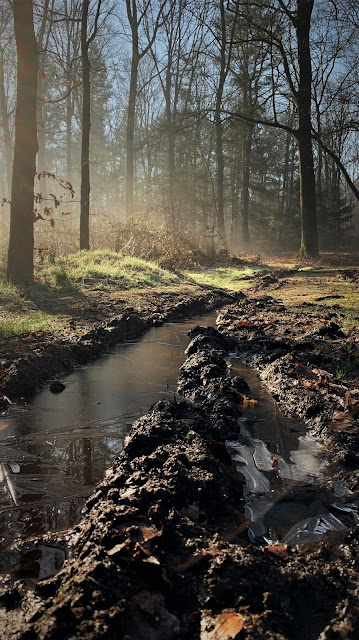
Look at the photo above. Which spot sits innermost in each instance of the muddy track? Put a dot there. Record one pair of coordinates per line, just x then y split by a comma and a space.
34, 361
298, 360
162, 551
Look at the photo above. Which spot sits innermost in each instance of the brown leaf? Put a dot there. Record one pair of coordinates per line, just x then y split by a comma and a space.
279, 550
225, 626
247, 402
343, 422
148, 533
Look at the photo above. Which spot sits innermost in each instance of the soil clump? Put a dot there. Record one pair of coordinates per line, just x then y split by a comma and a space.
32, 360
163, 551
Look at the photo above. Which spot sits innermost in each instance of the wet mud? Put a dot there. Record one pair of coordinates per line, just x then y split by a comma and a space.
163, 548
299, 360
30, 361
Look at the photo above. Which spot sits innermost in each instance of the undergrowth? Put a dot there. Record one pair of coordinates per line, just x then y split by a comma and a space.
17, 313
106, 269
226, 277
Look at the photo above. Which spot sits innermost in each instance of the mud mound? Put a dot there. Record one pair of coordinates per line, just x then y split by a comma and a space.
162, 550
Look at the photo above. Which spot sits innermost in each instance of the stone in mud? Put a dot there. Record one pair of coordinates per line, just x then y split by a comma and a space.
57, 387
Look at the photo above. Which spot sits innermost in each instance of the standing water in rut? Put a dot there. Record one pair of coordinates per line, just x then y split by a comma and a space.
55, 450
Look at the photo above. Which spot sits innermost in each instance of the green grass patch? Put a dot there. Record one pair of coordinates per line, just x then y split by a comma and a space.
19, 314
107, 269
297, 291
10, 297
347, 368
226, 277
19, 325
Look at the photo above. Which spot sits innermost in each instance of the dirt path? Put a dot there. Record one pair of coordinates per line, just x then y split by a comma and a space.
163, 551
34, 359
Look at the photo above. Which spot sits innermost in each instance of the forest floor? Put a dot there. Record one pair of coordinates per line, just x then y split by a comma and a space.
163, 550
76, 299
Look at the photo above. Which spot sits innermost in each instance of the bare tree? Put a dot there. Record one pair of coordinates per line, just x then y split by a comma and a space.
137, 12
21, 242
86, 41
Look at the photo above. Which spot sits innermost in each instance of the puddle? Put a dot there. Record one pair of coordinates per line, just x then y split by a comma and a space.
288, 494
56, 450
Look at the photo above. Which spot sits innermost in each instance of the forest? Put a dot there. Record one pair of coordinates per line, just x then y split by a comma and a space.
231, 124
179, 319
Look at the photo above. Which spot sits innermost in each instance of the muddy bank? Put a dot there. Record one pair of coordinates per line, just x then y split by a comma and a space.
309, 364
163, 551
30, 361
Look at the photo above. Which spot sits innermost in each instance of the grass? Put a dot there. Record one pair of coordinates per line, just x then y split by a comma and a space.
71, 287
18, 325
107, 269
81, 283
17, 313
226, 277
297, 291
347, 368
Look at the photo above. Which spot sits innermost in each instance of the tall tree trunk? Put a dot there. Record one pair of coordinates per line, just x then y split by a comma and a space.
21, 243
86, 127
284, 194
5, 126
41, 156
309, 232
220, 181
130, 133
219, 130
69, 116
234, 240
247, 153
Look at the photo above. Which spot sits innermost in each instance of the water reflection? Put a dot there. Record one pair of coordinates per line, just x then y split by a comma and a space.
54, 451
288, 494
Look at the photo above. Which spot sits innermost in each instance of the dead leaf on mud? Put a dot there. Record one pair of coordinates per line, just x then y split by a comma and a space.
245, 324
129, 493
351, 404
225, 626
279, 550
148, 533
247, 402
344, 422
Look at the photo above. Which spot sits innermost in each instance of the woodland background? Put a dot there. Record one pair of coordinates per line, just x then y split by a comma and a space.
196, 113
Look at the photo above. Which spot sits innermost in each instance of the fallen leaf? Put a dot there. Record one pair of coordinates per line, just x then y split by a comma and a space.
247, 402
279, 550
148, 533
343, 422
225, 626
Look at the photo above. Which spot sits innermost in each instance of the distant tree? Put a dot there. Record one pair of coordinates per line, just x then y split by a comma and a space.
21, 242
137, 12
86, 41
